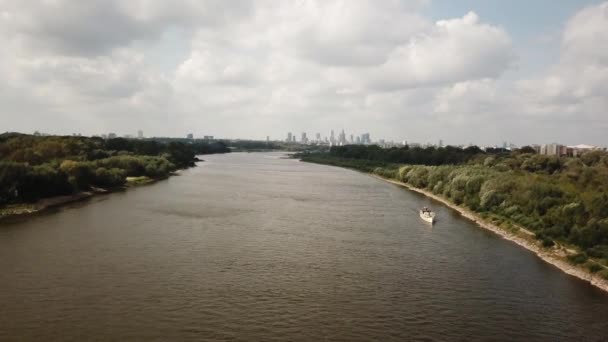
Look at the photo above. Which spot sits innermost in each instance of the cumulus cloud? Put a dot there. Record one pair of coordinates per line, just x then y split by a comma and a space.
453, 50
578, 83
95, 27
253, 68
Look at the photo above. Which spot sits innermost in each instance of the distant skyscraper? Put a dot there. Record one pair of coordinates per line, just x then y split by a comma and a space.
289, 137
304, 138
358, 140
140, 134
267, 138
365, 139
342, 138
440, 143
332, 138
318, 137
190, 136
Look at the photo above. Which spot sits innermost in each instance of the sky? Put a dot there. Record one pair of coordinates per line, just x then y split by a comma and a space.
470, 71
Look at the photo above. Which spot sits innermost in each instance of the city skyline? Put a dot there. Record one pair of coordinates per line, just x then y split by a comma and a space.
516, 71
362, 138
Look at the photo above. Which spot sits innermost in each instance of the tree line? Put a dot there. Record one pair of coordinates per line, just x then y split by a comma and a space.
34, 167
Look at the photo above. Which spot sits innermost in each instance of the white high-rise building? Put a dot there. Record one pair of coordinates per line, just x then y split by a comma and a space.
365, 139
342, 138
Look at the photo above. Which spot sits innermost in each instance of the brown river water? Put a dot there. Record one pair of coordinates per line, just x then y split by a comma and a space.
253, 247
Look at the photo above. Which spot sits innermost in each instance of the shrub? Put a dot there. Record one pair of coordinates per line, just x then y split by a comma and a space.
593, 267
109, 177
548, 242
578, 258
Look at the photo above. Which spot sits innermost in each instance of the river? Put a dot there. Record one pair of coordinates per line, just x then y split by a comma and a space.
256, 247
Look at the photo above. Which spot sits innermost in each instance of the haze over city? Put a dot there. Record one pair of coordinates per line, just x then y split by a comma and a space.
472, 71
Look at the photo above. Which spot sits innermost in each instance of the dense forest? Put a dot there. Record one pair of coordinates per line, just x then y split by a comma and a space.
34, 167
562, 200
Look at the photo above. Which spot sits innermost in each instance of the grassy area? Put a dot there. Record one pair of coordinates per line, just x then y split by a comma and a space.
142, 180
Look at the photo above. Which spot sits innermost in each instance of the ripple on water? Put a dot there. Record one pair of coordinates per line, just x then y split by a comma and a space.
254, 247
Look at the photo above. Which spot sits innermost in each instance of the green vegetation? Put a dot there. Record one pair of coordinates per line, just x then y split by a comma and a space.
35, 167
561, 200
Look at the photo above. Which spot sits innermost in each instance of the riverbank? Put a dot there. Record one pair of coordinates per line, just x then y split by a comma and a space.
24, 209
44, 204
555, 256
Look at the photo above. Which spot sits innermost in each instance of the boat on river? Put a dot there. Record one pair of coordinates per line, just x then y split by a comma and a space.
427, 214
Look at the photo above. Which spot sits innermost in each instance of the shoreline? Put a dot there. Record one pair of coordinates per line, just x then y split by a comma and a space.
553, 256
24, 210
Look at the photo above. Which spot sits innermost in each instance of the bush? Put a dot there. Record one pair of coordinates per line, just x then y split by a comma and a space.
548, 242
109, 177
593, 267
80, 174
600, 251
578, 258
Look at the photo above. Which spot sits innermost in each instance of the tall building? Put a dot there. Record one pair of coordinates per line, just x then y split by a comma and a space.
318, 137
332, 138
190, 136
288, 136
365, 139
551, 149
140, 134
304, 138
440, 143
342, 138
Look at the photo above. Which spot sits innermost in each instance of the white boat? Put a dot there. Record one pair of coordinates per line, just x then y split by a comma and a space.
427, 215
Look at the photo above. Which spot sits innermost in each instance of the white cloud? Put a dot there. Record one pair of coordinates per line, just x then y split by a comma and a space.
95, 27
578, 84
260, 67
453, 51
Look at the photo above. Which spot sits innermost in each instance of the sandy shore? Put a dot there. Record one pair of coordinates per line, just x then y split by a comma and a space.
554, 256
43, 204
46, 203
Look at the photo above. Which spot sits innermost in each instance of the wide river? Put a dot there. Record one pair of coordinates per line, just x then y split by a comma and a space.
255, 247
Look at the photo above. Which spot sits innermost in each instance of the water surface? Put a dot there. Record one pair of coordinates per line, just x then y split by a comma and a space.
255, 247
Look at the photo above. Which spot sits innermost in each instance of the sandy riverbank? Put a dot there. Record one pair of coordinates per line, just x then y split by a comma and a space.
44, 204
554, 256
25, 209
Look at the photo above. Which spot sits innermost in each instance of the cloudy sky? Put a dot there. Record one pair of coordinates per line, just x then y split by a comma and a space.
481, 71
